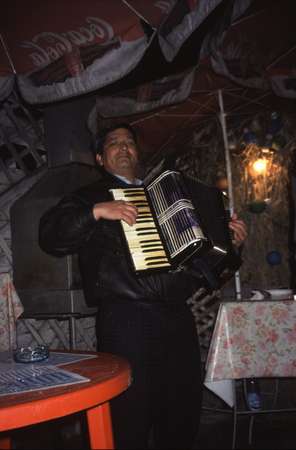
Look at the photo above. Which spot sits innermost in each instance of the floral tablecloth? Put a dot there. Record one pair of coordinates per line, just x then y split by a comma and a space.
253, 339
10, 309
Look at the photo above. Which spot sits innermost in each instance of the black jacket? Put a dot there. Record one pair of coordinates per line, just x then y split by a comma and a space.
70, 227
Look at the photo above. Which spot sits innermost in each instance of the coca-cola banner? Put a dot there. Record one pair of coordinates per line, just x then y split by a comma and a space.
7, 77
61, 49
283, 81
38, 33
146, 97
6, 86
184, 19
258, 51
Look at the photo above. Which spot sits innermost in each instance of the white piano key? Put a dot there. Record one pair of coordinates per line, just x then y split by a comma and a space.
138, 226
153, 254
141, 263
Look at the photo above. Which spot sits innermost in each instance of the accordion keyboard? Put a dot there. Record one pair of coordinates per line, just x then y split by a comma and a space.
144, 243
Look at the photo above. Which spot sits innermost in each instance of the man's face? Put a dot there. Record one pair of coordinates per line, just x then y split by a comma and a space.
120, 155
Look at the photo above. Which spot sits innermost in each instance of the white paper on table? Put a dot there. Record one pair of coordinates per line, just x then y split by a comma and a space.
223, 389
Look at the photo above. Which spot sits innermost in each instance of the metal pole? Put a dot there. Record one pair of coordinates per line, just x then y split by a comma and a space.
72, 332
238, 292
72, 320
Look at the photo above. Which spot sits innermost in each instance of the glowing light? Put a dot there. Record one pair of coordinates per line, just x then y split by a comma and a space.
260, 166
264, 172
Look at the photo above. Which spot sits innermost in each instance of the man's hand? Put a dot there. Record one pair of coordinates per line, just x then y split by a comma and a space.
116, 210
239, 230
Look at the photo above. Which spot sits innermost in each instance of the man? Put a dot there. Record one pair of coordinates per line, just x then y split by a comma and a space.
144, 319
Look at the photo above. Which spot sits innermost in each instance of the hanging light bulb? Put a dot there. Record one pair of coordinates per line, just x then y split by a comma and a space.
260, 166
263, 172
259, 175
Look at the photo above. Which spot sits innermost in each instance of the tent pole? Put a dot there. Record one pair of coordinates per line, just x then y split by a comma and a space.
7, 53
238, 292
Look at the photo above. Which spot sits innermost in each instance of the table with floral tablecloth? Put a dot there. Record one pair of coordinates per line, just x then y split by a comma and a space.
252, 339
10, 309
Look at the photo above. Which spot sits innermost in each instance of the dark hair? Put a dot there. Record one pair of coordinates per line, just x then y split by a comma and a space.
100, 138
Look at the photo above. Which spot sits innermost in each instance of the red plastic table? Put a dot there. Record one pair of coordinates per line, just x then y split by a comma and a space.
109, 376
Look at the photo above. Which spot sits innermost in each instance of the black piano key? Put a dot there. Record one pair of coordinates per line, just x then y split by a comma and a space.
151, 241
133, 195
159, 246
154, 258
157, 264
144, 228
139, 233
149, 250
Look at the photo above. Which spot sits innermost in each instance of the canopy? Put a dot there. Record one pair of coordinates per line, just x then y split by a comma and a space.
157, 62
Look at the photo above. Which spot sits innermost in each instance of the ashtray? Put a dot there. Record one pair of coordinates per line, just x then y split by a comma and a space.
31, 355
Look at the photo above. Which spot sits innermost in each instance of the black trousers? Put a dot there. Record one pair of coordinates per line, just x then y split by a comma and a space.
162, 405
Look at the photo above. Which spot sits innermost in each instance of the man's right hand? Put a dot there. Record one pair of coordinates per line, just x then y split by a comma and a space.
116, 210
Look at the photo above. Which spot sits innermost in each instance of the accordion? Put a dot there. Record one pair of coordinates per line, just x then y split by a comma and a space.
174, 232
